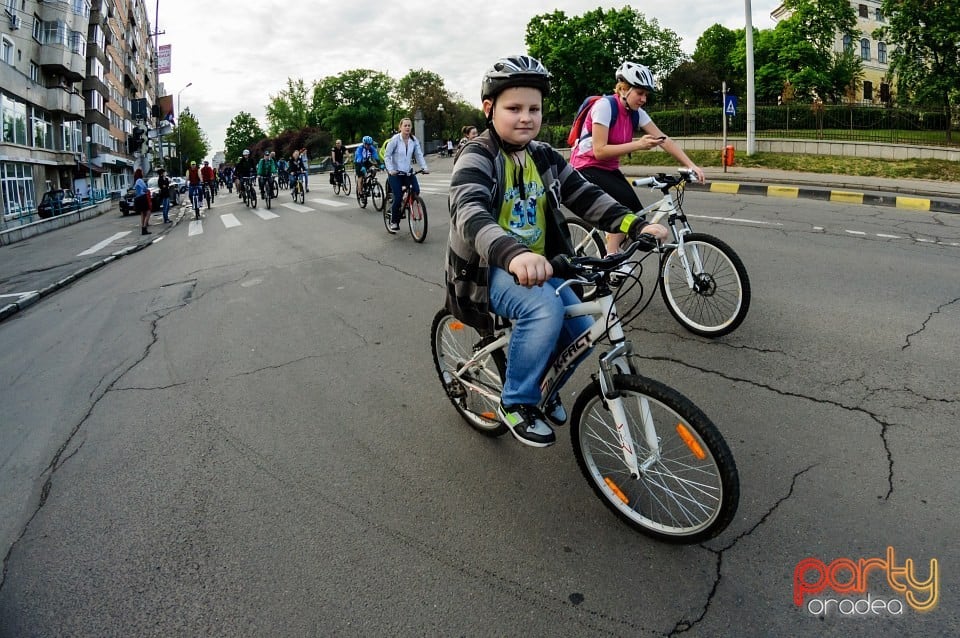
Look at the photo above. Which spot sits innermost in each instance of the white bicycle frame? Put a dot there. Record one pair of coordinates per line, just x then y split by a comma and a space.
611, 363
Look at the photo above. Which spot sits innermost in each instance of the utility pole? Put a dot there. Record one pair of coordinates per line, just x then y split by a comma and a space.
751, 105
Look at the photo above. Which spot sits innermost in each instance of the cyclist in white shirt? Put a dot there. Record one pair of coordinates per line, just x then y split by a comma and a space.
402, 149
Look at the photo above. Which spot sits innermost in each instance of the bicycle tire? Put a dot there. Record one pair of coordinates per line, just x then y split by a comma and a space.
376, 192
347, 184
587, 242
719, 302
361, 197
337, 185
387, 214
416, 212
301, 193
690, 494
453, 343
253, 197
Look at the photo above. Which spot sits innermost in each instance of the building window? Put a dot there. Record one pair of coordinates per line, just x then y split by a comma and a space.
864, 13
42, 129
19, 197
882, 52
94, 100
72, 136
6, 50
868, 91
865, 49
884, 93
34, 71
847, 43
13, 114
878, 15
78, 43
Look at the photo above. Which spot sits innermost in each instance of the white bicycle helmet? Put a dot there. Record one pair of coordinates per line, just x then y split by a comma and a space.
636, 75
515, 70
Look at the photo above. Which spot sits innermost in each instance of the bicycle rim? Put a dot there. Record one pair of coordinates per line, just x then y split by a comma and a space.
416, 212
378, 198
346, 184
720, 298
689, 493
361, 198
587, 242
453, 345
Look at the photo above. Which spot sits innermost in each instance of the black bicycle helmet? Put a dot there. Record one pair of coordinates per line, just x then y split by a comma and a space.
515, 70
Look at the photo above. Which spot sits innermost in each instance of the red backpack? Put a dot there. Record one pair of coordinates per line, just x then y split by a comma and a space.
574, 136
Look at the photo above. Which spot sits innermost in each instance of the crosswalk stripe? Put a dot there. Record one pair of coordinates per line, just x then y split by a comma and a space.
106, 242
300, 208
230, 220
196, 228
264, 214
330, 202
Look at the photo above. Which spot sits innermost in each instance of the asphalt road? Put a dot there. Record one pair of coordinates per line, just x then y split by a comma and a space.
239, 432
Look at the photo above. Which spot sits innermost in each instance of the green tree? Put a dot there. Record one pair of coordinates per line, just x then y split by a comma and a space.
925, 60
583, 52
289, 110
424, 90
353, 104
714, 57
243, 132
192, 143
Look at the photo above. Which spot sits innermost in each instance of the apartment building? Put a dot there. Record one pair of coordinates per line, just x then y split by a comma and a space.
77, 78
875, 54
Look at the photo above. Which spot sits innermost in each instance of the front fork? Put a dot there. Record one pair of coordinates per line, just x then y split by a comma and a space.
612, 363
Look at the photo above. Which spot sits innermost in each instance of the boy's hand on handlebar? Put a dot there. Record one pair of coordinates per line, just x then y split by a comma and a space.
530, 269
658, 231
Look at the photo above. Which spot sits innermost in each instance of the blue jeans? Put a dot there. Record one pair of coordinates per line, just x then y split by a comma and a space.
166, 209
396, 185
539, 330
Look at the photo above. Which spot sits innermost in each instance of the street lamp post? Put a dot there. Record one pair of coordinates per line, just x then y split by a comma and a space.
89, 169
179, 137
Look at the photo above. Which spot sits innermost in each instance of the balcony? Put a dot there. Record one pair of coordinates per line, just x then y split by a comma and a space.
69, 105
58, 59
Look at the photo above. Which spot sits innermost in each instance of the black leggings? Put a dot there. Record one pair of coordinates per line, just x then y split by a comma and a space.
615, 184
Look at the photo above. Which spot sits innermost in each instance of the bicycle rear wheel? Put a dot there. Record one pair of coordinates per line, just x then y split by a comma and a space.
346, 185
689, 493
253, 196
337, 186
416, 213
720, 298
587, 242
361, 196
376, 191
454, 343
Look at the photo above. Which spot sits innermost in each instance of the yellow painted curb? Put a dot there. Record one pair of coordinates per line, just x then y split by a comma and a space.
846, 197
724, 187
783, 191
913, 203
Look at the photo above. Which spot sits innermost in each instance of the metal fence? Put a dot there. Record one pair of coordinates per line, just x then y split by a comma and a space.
853, 122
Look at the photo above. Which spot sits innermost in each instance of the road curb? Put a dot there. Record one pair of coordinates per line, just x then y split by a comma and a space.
923, 204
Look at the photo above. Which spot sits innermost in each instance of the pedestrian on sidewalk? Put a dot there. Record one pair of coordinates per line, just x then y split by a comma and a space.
141, 201
163, 182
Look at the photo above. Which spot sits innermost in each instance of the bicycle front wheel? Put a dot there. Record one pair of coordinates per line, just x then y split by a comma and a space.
376, 192
346, 185
454, 344
688, 489
587, 242
416, 213
719, 299
361, 196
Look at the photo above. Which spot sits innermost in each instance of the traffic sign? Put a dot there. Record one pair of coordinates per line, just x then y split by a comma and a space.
730, 105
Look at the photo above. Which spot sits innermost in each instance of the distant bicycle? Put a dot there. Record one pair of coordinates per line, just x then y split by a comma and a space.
412, 208
270, 190
248, 188
371, 190
196, 199
298, 189
208, 194
702, 280
341, 181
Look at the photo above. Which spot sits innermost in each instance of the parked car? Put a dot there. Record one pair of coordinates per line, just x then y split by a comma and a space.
126, 203
56, 202
180, 183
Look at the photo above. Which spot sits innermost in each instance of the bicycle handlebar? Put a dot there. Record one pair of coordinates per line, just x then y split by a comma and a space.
590, 269
662, 180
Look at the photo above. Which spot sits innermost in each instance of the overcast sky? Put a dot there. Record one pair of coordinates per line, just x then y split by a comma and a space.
238, 54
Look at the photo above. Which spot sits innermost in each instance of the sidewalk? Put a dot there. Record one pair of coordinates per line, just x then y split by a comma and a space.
914, 194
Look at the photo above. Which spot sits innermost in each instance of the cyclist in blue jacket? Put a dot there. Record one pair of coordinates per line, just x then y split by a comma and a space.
364, 157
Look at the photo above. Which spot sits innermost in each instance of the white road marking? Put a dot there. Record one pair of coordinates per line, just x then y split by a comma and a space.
196, 228
330, 202
855, 232
300, 208
734, 219
106, 242
888, 236
230, 220
264, 214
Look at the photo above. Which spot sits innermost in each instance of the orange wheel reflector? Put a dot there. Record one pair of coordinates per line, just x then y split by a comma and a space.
690, 442
456, 325
489, 415
616, 490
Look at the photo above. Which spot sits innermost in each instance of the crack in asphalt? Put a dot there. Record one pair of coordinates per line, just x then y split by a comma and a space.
61, 456
923, 326
684, 625
402, 272
884, 425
